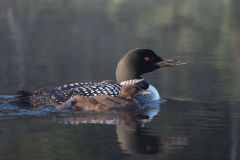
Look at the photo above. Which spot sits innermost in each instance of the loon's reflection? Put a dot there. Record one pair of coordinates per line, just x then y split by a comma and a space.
130, 128
131, 136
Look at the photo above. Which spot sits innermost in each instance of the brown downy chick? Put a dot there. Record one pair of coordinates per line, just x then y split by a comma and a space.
125, 100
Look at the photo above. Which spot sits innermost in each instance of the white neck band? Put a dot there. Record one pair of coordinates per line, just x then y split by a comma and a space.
131, 82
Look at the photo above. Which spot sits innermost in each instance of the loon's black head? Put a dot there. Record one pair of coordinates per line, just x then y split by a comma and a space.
135, 63
139, 61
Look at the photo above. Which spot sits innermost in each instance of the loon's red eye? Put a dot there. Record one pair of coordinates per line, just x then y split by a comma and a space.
147, 58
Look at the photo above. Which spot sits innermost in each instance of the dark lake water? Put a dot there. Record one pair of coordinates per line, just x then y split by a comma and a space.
54, 42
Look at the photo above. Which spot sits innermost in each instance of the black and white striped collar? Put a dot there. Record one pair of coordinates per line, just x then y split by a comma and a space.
131, 82
139, 82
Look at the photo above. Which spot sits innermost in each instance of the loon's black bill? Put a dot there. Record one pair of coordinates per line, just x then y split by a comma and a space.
170, 63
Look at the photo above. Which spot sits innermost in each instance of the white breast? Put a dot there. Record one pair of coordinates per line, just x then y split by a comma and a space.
148, 98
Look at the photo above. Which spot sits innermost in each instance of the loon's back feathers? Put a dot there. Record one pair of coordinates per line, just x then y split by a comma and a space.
63, 93
58, 95
40, 97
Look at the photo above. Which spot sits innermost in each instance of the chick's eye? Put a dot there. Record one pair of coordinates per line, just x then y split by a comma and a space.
147, 58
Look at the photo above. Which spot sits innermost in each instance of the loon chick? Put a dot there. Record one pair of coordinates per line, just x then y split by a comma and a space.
125, 100
129, 70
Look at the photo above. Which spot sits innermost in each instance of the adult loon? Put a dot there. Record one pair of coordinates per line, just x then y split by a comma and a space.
129, 71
